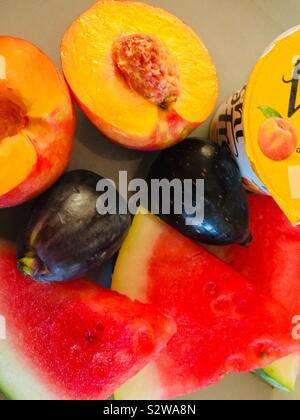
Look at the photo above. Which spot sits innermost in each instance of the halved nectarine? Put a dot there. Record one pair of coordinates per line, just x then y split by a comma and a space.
140, 74
36, 122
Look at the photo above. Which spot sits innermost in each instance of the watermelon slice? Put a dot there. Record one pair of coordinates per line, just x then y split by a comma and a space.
272, 263
272, 259
224, 324
73, 340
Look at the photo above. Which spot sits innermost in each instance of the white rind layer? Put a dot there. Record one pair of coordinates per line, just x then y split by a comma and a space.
18, 381
285, 371
130, 278
130, 274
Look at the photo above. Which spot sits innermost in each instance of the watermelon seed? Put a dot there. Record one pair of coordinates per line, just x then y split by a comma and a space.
223, 305
211, 289
263, 355
263, 350
90, 338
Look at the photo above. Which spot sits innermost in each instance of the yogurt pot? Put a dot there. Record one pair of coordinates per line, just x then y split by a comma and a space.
261, 124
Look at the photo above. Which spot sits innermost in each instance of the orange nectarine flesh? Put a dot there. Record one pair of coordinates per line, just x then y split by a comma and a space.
17, 158
104, 86
17, 154
33, 76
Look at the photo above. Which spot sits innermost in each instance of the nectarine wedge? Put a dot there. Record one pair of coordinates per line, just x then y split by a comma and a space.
140, 74
36, 122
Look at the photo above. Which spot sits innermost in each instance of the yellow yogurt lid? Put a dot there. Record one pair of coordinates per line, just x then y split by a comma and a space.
271, 119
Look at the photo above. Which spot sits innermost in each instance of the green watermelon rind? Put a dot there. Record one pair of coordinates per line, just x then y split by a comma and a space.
5, 394
282, 374
262, 374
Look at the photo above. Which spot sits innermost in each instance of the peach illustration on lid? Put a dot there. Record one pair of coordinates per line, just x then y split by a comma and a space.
267, 133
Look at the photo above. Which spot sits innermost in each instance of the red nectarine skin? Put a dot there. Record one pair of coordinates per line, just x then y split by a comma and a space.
277, 139
50, 165
36, 108
170, 126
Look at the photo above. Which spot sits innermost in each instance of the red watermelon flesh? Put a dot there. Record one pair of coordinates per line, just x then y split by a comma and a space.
224, 324
74, 340
272, 260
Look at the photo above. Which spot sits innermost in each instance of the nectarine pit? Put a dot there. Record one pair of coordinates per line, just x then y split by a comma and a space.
12, 112
148, 67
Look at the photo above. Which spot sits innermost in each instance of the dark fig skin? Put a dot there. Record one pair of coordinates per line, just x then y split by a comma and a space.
226, 213
66, 237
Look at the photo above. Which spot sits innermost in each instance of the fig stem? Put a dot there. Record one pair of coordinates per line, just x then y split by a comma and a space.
246, 242
28, 266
